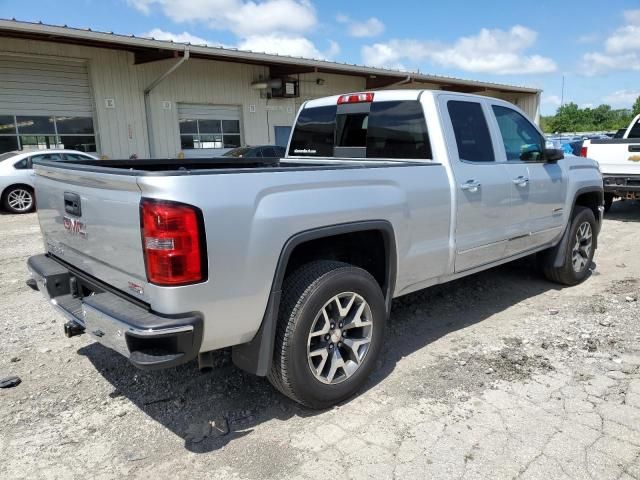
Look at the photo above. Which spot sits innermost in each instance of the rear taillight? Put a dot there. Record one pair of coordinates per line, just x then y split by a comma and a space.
365, 97
583, 152
173, 242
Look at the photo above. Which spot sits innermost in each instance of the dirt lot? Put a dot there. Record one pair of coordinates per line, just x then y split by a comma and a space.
499, 375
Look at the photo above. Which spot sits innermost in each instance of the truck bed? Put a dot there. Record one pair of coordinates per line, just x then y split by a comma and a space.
172, 166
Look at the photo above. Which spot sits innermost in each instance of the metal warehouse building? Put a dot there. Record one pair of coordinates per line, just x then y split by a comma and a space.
122, 95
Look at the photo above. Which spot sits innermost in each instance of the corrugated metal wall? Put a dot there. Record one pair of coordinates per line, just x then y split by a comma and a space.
115, 80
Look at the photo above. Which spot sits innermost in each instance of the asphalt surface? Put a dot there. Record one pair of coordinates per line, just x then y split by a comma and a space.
499, 375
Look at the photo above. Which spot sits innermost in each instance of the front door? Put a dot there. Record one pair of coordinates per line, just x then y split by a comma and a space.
539, 187
483, 189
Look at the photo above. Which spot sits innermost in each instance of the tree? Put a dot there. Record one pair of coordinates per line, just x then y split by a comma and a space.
636, 107
570, 118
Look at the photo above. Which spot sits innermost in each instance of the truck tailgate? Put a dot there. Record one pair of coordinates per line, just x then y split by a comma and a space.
616, 156
92, 221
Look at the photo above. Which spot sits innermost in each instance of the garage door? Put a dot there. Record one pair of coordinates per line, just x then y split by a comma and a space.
45, 103
208, 129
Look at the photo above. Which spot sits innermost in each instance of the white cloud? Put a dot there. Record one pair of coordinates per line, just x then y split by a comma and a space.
371, 27
554, 100
242, 17
622, 98
271, 26
621, 48
184, 37
288, 45
490, 51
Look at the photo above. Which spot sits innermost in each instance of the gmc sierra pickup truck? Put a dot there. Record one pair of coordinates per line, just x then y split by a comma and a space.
294, 262
619, 160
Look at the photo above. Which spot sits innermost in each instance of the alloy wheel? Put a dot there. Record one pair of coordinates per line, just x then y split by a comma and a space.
340, 338
581, 252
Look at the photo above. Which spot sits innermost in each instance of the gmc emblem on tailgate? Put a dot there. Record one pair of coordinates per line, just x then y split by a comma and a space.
74, 226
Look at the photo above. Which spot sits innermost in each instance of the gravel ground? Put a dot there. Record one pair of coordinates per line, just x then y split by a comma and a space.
499, 375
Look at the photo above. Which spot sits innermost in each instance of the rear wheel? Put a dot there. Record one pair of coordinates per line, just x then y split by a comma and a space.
19, 199
580, 249
329, 334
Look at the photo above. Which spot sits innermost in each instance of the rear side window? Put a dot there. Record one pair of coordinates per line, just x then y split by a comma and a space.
21, 165
314, 132
471, 131
397, 130
635, 130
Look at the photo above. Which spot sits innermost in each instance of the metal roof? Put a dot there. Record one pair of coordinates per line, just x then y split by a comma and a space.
149, 49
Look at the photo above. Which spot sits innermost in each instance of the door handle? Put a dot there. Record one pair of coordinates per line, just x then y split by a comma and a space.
521, 181
471, 186
634, 148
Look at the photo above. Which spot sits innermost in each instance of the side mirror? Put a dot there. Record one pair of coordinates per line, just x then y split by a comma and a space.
552, 155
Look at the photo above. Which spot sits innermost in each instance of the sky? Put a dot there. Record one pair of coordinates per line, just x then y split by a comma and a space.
594, 45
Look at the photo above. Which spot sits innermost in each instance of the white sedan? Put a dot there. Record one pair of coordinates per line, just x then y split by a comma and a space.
16, 176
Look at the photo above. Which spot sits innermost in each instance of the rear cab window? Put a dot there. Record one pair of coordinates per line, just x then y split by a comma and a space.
371, 130
635, 130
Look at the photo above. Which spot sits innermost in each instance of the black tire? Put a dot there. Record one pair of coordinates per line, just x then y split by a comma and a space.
305, 293
19, 199
608, 201
567, 274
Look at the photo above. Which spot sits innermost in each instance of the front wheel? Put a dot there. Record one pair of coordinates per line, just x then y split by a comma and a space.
19, 199
579, 252
330, 331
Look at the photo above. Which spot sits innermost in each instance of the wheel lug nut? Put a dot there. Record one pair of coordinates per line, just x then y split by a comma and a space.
333, 325
340, 325
327, 337
339, 344
331, 346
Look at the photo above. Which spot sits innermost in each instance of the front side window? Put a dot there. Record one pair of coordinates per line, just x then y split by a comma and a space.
55, 157
471, 131
209, 133
522, 141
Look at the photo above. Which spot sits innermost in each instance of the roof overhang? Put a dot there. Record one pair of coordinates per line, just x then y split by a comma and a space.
147, 50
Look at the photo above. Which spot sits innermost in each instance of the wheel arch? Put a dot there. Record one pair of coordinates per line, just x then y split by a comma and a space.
590, 197
256, 356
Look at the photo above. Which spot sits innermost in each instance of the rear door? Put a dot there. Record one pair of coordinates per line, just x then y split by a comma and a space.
483, 189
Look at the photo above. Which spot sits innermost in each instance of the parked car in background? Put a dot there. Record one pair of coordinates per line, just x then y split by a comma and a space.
293, 262
16, 176
620, 133
258, 151
619, 160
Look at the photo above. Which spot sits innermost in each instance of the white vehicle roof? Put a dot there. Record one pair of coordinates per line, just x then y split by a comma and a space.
20, 154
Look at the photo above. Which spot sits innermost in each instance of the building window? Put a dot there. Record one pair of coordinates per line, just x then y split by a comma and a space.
208, 133
38, 132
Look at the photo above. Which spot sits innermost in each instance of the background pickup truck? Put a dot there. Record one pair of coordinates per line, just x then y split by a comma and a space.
294, 262
619, 160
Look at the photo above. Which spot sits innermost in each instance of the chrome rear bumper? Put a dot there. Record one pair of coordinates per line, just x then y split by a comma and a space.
148, 340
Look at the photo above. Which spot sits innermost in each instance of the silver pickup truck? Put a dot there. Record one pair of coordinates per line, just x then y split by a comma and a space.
294, 262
